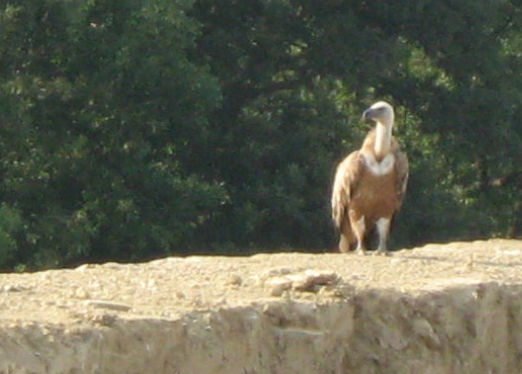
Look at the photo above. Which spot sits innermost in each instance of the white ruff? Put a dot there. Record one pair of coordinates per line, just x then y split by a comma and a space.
380, 168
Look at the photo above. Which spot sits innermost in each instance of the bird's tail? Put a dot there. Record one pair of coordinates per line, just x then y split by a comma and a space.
347, 236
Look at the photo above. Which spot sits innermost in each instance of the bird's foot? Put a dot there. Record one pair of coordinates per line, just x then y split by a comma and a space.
360, 252
381, 252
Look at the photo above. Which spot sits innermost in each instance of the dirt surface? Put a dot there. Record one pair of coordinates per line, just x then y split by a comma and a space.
50, 314
169, 287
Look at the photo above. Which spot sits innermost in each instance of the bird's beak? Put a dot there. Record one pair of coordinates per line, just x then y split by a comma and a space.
366, 116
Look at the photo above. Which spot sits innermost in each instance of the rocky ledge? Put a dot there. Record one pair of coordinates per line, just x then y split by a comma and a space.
448, 308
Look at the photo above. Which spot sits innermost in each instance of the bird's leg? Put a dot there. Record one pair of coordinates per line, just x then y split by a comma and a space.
359, 229
346, 237
344, 244
383, 227
360, 250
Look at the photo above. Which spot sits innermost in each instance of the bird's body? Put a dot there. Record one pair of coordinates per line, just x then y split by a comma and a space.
370, 183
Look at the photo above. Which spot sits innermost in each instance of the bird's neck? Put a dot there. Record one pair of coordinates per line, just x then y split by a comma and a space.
383, 136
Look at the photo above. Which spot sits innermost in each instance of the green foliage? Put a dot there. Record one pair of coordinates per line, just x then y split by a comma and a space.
10, 224
101, 107
137, 128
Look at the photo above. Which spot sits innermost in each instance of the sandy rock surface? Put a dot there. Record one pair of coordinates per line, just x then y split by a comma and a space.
164, 307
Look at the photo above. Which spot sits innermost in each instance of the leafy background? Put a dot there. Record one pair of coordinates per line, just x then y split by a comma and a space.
132, 129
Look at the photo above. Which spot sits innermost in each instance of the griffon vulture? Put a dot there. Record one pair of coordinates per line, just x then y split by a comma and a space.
370, 184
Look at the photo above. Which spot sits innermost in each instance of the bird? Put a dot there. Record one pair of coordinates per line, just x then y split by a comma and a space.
370, 184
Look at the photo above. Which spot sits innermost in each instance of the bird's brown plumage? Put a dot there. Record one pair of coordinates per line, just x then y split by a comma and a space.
370, 185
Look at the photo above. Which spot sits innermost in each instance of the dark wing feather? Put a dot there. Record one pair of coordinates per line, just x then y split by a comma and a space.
345, 182
402, 173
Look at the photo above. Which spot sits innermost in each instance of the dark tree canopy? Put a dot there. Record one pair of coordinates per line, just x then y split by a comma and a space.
131, 129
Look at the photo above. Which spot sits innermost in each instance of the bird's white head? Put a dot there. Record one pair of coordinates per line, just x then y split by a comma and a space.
381, 112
